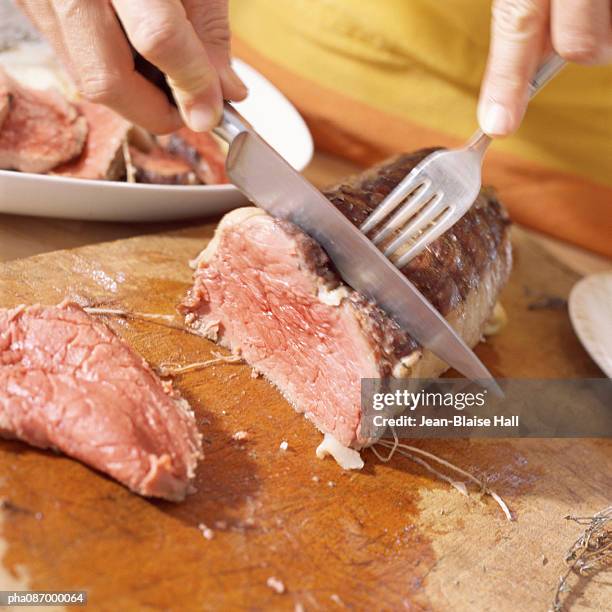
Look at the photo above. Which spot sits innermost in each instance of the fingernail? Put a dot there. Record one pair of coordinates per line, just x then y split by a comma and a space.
231, 80
238, 83
496, 120
201, 118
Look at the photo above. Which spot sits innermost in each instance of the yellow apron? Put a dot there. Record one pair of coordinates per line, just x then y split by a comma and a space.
375, 77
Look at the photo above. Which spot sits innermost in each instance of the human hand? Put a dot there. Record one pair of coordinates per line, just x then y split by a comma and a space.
187, 40
522, 32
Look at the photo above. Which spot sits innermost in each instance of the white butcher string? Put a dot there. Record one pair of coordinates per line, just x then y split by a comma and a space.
169, 367
411, 453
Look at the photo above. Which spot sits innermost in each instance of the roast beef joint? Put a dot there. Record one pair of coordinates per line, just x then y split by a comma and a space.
268, 292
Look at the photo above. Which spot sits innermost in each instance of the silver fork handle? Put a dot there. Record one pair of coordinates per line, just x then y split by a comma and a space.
551, 66
547, 70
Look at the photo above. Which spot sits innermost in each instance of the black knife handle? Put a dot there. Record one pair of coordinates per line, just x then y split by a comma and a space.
153, 74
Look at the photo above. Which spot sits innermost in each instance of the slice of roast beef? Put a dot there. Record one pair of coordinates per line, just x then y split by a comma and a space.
67, 382
41, 129
201, 151
102, 155
161, 167
266, 290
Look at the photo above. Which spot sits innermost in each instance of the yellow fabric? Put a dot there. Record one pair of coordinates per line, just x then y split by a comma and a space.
422, 60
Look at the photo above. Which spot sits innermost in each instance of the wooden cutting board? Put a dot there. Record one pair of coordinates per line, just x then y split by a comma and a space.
390, 537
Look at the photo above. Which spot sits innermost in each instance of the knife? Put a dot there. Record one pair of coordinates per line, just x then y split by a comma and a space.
272, 184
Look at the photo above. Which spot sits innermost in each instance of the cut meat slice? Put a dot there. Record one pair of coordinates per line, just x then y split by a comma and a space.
68, 382
161, 167
102, 155
266, 290
40, 130
201, 151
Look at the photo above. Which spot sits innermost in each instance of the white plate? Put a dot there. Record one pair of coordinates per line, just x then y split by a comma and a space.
270, 113
590, 310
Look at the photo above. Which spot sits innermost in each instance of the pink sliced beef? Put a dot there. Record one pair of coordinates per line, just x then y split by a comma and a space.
267, 291
40, 131
67, 382
102, 155
201, 151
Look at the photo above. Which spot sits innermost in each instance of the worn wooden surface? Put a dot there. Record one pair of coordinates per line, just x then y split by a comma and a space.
391, 537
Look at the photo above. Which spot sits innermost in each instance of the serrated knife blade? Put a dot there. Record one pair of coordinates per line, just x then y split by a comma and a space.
272, 184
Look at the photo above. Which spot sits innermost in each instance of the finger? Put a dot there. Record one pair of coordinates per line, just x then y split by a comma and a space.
101, 57
581, 31
211, 22
163, 34
518, 36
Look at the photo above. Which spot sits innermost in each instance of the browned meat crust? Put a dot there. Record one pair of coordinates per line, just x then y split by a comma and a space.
452, 266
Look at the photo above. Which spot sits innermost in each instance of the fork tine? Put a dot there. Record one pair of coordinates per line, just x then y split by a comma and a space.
424, 217
448, 219
409, 208
394, 199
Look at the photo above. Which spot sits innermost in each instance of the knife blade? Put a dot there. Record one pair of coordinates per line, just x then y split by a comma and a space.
272, 184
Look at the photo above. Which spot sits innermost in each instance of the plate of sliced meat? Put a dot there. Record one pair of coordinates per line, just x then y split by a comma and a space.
65, 157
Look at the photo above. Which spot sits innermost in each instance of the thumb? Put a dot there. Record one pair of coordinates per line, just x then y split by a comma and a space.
518, 36
211, 22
